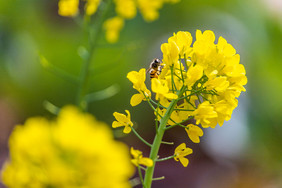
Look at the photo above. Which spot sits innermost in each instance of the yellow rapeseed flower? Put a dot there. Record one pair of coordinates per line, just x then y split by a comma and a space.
112, 27
68, 8
170, 53
149, 9
126, 8
194, 132
203, 113
91, 6
138, 80
183, 40
161, 89
180, 152
138, 158
123, 120
194, 73
75, 150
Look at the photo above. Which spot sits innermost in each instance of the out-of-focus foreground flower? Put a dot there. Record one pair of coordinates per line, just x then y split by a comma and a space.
76, 150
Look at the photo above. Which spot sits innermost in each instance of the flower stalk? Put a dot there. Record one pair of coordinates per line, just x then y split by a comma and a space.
92, 38
158, 140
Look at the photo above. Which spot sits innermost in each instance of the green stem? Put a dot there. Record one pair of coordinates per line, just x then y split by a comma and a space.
159, 178
178, 123
166, 158
140, 175
84, 73
168, 143
158, 140
159, 105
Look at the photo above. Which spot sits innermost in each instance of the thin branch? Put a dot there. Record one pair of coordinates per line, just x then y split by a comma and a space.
164, 159
140, 175
159, 178
168, 143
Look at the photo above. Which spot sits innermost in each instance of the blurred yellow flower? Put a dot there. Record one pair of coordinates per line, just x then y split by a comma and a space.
68, 8
123, 120
149, 9
112, 27
180, 152
139, 159
75, 150
126, 8
91, 6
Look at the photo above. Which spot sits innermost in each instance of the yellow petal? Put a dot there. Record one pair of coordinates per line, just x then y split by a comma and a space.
146, 161
134, 152
136, 99
194, 73
156, 85
198, 34
120, 117
194, 132
116, 124
186, 151
209, 36
133, 76
128, 114
184, 161
127, 129
171, 96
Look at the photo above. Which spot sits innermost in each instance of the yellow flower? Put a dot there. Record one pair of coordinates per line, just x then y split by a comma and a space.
123, 120
75, 150
194, 132
183, 40
149, 9
161, 89
180, 152
220, 84
113, 27
170, 53
139, 159
138, 80
68, 8
224, 48
139, 97
91, 7
194, 73
203, 113
175, 117
126, 8
224, 110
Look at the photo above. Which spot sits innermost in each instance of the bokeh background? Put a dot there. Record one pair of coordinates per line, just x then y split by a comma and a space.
245, 152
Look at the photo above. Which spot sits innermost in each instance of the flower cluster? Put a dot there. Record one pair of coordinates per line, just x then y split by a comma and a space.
206, 73
76, 150
201, 80
125, 10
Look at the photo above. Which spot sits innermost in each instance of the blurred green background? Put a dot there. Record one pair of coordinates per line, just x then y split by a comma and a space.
29, 28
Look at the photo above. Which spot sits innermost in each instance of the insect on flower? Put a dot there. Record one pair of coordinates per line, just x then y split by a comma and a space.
155, 68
